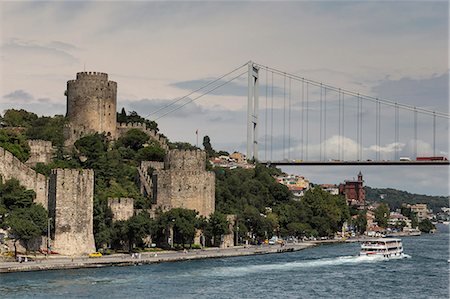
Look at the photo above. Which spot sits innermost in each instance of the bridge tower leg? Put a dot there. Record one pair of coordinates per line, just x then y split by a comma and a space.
252, 111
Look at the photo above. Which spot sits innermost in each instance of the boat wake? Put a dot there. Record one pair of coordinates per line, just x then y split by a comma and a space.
325, 262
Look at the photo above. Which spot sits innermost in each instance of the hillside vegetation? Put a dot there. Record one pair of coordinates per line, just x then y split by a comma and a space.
395, 198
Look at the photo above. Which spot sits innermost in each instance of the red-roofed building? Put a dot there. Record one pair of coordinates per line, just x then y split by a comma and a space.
354, 191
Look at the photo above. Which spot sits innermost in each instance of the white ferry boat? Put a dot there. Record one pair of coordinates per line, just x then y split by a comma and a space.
382, 247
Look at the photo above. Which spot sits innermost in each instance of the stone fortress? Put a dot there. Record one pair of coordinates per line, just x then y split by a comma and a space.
181, 181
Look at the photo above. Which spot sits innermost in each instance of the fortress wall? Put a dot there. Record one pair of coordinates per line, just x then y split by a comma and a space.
41, 152
11, 167
122, 208
185, 160
185, 183
71, 204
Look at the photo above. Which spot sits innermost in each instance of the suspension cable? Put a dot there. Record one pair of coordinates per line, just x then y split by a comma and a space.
176, 100
352, 93
265, 114
325, 124
343, 128
303, 119
320, 127
415, 133
434, 135
339, 126
289, 123
284, 117
307, 120
271, 123
198, 97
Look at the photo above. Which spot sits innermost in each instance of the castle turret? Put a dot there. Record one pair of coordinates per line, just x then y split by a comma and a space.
91, 106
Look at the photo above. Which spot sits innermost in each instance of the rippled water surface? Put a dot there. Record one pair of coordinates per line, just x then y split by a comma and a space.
332, 271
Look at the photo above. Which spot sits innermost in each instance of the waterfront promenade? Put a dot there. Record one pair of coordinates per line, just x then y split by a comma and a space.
64, 262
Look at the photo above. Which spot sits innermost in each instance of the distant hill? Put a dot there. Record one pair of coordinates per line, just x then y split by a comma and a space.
394, 198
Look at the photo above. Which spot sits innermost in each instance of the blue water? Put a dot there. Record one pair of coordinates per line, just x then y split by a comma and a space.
332, 271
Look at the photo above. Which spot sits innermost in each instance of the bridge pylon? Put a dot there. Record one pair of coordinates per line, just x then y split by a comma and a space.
252, 111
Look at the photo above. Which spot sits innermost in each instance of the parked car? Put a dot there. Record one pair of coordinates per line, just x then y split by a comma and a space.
95, 254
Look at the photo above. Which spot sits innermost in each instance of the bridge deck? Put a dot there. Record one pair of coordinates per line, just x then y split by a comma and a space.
355, 163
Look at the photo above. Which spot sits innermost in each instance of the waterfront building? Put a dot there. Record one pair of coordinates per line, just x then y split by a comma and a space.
397, 218
353, 190
330, 188
421, 211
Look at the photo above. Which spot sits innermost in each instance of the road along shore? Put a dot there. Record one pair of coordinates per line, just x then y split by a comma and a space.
65, 262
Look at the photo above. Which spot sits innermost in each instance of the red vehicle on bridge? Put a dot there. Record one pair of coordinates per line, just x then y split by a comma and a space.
431, 158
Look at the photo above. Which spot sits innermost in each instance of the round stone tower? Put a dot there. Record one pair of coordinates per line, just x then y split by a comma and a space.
91, 106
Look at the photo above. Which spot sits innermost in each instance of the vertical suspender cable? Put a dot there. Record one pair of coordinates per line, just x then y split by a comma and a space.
377, 130
325, 123
361, 147
320, 127
339, 125
289, 123
271, 122
307, 120
284, 116
396, 132
415, 132
434, 133
303, 118
343, 127
266, 119
357, 127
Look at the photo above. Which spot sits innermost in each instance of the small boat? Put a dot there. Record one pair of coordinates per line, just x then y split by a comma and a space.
391, 248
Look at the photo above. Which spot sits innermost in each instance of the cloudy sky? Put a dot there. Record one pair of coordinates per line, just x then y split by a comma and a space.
161, 51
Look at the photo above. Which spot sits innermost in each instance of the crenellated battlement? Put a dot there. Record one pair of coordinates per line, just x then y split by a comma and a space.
41, 151
122, 208
187, 160
39, 142
92, 75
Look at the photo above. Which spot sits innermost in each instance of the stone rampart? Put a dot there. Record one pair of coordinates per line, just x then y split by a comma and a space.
122, 128
71, 205
11, 167
184, 183
122, 208
41, 151
185, 160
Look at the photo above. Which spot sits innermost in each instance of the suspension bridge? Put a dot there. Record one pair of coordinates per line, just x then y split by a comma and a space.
308, 122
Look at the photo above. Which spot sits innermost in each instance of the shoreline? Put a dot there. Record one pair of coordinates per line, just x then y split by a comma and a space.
64, 263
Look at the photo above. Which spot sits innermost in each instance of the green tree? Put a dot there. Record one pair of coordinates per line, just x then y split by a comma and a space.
382, 215
407, 212
183, 222
133, 139
15, 143
216, 227
27, 224
182, 146
426, 226
48, 128
14, 196
150, 153
208, 147
138, 227
360, 223
19, 118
